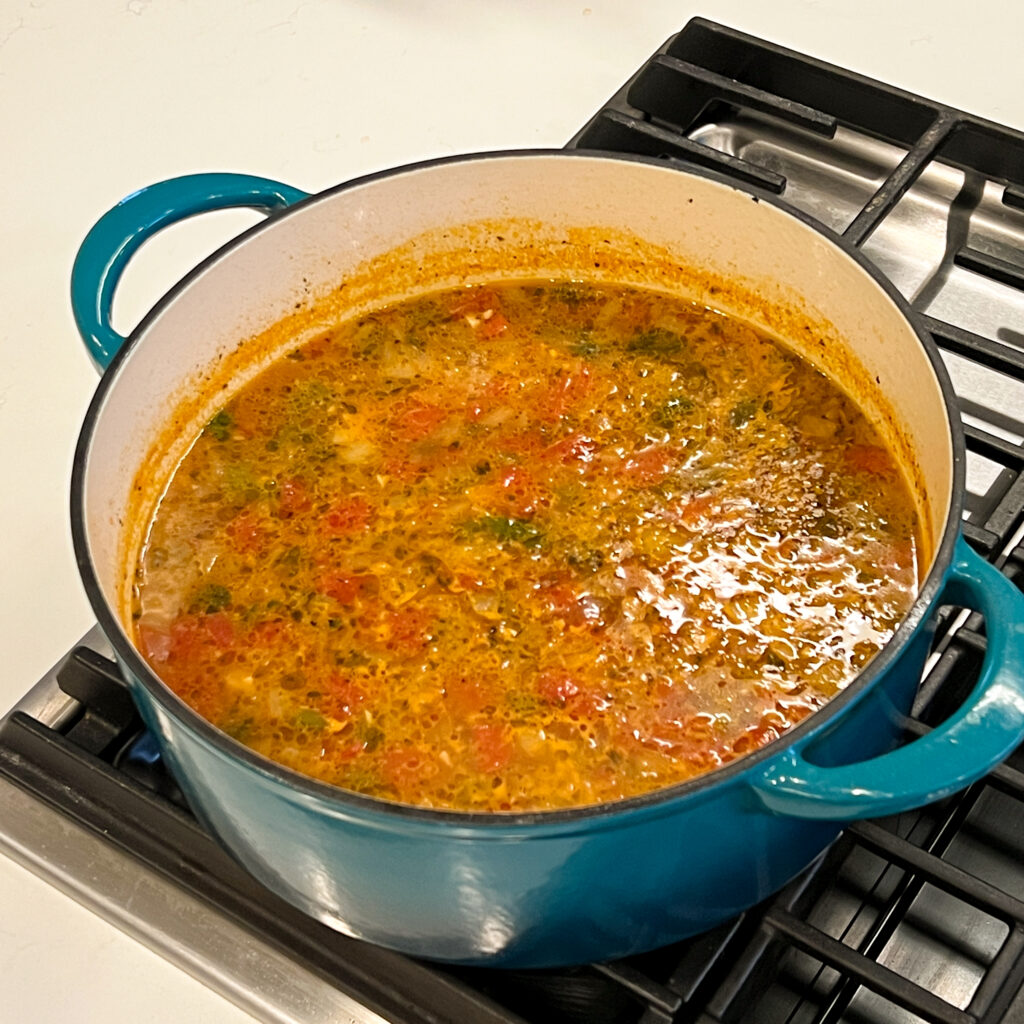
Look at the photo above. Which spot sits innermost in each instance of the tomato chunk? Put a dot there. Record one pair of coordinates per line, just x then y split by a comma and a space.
292, 499
415, 421
343, 697
575, 448
869, 458
348, 516
345, 587
492, 747
406, 768
650, 465
558, 399
408, 629
557, 687
247, 532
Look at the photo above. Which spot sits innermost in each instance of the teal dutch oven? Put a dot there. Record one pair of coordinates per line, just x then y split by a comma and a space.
567, 886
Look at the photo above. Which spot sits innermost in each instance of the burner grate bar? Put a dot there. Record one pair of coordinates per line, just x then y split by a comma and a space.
907, 171
989, 266
1007, 780
655, 995
1009, 513
853, 99
678, 92
982, 540
940, 873
1001, 982
998, 449
992, 354
629, 133
872, 975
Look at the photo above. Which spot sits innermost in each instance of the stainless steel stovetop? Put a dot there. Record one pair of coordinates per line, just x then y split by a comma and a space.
915, 918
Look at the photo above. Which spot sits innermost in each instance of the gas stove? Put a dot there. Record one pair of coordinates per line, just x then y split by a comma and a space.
915, 918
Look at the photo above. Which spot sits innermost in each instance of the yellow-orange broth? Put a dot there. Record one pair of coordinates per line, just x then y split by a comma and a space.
525, 547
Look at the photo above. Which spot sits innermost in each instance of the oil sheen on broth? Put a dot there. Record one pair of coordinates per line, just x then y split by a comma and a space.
523, 547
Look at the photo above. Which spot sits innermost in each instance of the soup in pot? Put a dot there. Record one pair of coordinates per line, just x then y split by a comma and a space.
525, 546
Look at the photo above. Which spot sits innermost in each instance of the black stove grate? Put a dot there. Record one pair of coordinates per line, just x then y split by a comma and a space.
947, 881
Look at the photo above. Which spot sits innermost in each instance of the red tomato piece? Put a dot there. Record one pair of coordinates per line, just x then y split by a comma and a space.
247, 532
522, 494
475, 303
156, 643
557, 687
869, 458
564, 690
408, 629
191, 635
649, 465
343, 697
563, 602
341, 751
492, 749
575, 448
406, 768
415, 421
292, 499
345, 587
349, 515
491, 397
185, 638
557, 399
693, 512
220, 629
493, 325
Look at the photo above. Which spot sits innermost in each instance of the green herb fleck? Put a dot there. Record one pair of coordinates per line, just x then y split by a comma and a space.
658, 339
521, 703
371, 735
240, 483
352, 659
289, 560
219, 428
209, 599
238, 730
827, 525
673, 411
585, 346
585, 560
743, 412
569, 293
508, 530
310, 718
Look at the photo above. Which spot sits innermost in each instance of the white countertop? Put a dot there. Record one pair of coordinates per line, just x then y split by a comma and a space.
98, 99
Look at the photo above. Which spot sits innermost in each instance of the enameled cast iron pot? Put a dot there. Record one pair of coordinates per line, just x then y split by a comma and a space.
575, 885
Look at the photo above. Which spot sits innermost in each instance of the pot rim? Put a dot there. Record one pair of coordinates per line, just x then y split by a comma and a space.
662, 800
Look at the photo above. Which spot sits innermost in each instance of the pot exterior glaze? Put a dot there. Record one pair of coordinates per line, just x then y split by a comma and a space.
584, 884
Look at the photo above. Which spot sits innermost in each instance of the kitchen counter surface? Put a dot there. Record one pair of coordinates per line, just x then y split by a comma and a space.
98, 99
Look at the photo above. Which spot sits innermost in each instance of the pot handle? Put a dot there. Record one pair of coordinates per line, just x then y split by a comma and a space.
983, 731
115, 237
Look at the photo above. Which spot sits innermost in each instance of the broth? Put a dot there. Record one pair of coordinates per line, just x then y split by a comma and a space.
525, 546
